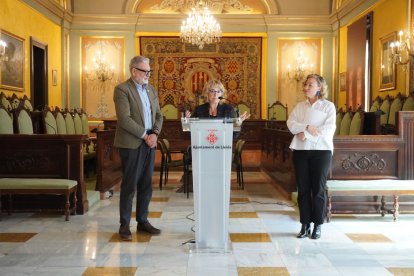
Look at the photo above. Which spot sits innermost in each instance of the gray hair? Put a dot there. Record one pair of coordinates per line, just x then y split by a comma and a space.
135, 61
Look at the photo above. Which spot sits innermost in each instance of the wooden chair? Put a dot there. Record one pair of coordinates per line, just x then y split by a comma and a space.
357, 123
409, 103
170, 111
23, 121
376, 104
5, 102
339, 116
243, 107
27, 103
277, 111
395, 106
346, 123
167, 162
60, 121
50, 125
238, 162
6, 121
385, 108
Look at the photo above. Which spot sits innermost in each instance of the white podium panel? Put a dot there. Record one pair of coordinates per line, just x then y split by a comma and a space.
211, 148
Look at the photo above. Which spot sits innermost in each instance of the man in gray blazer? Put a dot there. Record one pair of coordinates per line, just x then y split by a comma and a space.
139, 121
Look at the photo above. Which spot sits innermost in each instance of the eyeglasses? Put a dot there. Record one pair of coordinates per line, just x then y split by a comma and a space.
212, 91
147, 73
310, 85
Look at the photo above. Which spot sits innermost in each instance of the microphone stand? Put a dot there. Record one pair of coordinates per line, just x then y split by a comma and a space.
236, 108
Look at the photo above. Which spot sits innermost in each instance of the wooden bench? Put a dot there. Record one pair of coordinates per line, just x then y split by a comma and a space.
380, 187
37, 186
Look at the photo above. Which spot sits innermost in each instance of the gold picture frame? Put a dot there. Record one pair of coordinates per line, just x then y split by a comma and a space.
54, 77
12, 69
388, 68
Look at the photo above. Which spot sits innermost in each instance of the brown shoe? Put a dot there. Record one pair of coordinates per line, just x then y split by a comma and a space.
147, 227
125, 233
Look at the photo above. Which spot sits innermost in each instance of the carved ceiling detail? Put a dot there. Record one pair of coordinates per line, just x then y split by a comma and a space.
216, 6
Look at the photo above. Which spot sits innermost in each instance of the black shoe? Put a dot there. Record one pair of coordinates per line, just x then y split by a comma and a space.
304, 231
125, 233
147, 227
316, 233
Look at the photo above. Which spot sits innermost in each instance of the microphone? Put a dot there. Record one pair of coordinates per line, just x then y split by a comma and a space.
236, 108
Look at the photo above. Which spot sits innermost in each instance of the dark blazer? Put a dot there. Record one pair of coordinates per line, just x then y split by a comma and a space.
223, 111
130, 117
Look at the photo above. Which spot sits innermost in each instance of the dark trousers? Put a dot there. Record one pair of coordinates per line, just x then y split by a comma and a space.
311, 170
137, 169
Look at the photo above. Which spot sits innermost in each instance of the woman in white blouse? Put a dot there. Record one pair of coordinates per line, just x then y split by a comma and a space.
312, 122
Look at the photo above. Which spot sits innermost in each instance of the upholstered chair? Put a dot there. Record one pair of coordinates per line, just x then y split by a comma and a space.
277, 111
339, 116
345, 124
395, 106
6, 121
385, 108
376, 104
60, 122
169, 111
78, 123
408, 103
357, 123
5, 102
27, 103
238, 162
24, 121
168, 162
14, 101
50, 122
243, 107
70, 124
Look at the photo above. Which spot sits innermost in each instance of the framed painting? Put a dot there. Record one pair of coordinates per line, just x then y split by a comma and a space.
54, 77
342, 81
388, 68
12, 67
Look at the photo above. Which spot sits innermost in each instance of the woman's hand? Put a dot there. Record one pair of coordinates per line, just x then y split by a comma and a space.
187, 114
244, 116
312, 130
301, 136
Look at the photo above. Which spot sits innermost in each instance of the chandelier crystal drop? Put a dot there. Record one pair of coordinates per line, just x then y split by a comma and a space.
200, 27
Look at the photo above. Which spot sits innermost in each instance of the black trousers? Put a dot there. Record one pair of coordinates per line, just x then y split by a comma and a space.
137, 169
311, 170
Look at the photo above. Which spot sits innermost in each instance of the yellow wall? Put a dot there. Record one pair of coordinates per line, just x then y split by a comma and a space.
388, 16
23, 21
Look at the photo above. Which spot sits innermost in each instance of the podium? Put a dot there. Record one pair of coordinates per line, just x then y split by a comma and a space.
211, 149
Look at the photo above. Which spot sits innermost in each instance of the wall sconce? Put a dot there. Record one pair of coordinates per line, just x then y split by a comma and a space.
400, 50
3, 46
299, 70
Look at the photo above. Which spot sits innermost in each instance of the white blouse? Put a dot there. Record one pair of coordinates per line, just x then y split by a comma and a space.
299, 119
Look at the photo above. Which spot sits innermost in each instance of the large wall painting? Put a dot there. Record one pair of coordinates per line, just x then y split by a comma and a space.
180, 71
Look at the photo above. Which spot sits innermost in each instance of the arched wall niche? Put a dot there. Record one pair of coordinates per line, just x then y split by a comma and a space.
259, 7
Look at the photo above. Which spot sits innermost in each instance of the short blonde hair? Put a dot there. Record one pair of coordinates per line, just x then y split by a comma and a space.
213, 84
323, 92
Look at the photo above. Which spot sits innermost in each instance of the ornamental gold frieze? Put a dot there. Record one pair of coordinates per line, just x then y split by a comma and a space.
364, 162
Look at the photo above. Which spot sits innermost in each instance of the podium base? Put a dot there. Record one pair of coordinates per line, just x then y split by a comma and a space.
193, 249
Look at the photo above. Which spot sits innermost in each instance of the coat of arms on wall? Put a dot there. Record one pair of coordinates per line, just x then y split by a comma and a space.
181, 70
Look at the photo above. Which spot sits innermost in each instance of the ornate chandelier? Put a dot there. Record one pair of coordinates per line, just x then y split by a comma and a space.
201, 27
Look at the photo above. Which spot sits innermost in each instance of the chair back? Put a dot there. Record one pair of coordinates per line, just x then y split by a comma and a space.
356, 123
395, 106
6, 121
60, 122
277, 111
385, 108
14, 101
169, 111
77, 122
238, 151
376, 104
167, 149
70, 124
24, 121
339, 116
27, 103
50, 122
243, 107
408, 103
345, 124
5, 102
85, 123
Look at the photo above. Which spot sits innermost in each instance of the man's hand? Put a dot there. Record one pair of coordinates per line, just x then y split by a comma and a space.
151, 140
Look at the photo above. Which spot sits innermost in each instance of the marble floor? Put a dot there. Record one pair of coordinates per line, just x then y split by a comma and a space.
263, 226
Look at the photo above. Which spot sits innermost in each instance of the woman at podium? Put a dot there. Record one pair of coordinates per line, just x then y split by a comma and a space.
214, 108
